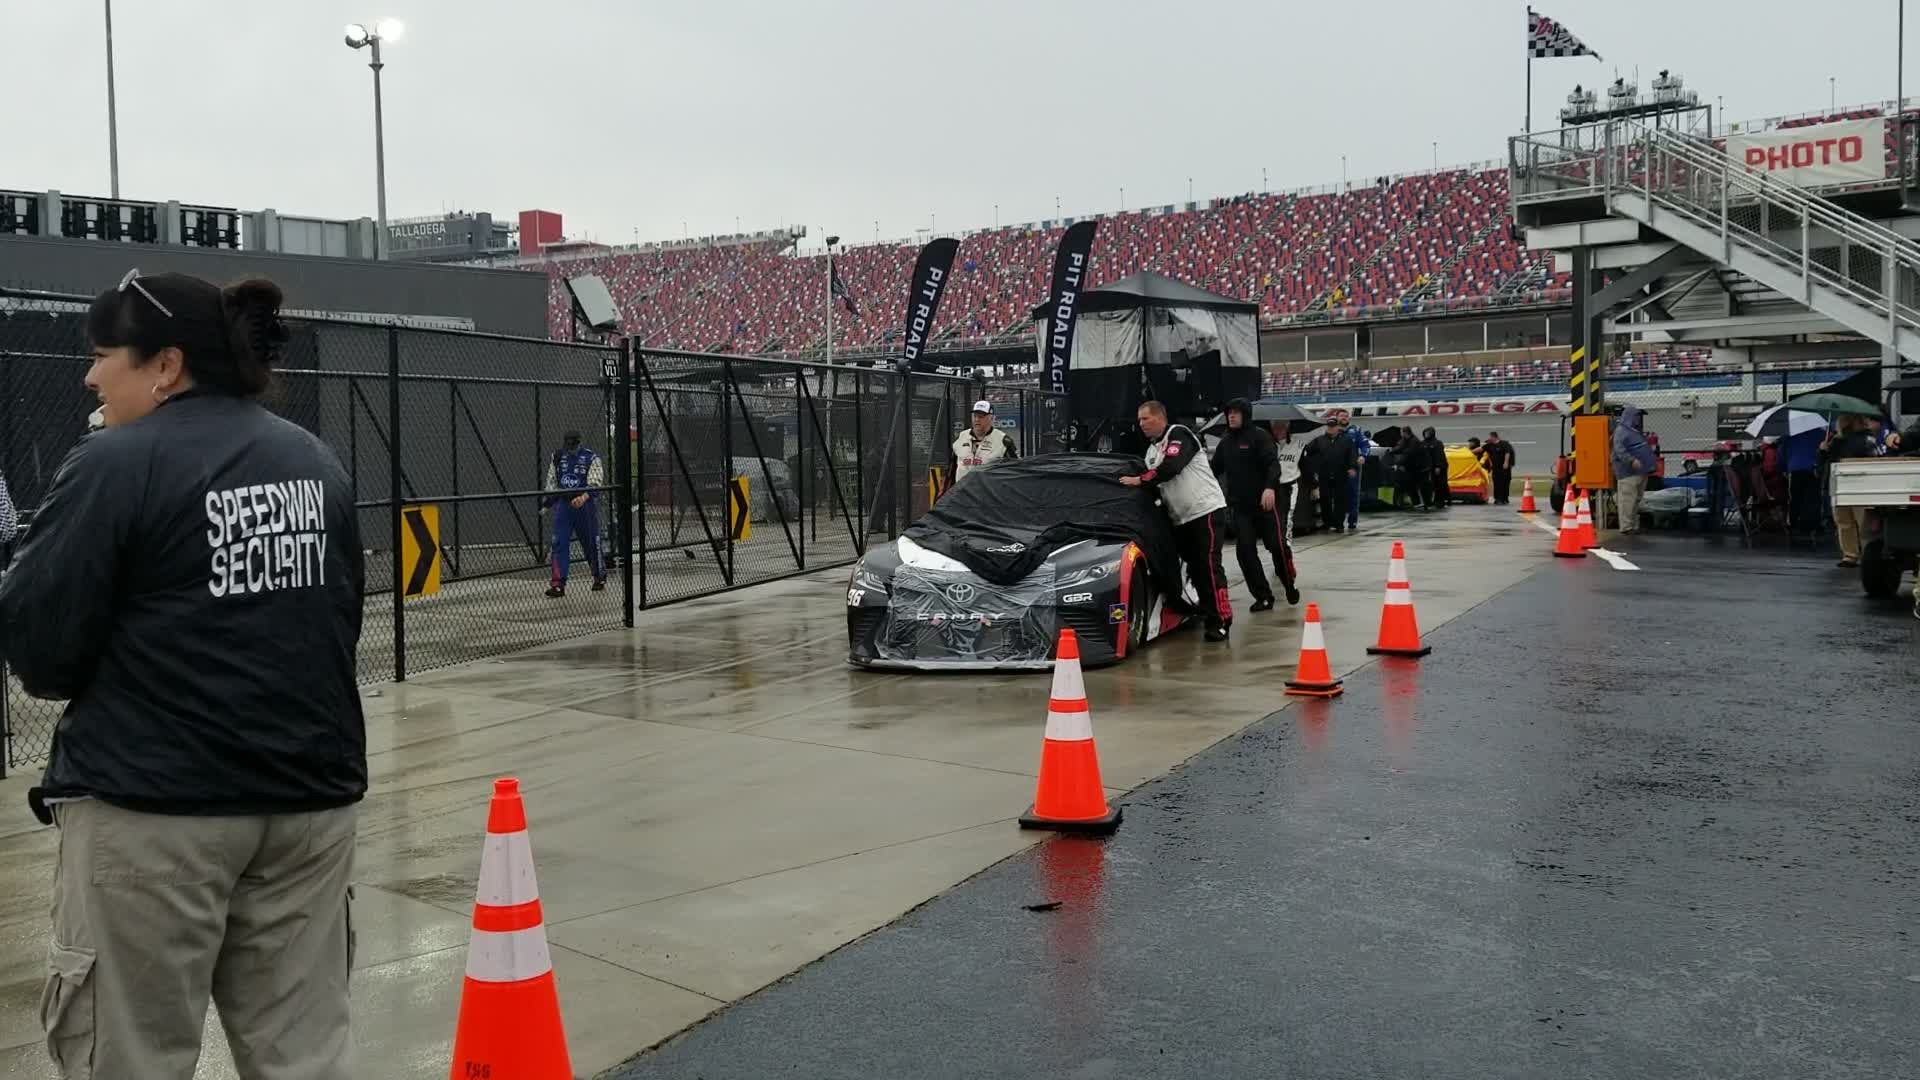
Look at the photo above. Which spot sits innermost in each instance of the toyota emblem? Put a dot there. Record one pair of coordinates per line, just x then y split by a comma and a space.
960, 592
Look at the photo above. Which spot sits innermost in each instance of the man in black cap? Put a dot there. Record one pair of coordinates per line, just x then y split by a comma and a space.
575, 474
1247, 462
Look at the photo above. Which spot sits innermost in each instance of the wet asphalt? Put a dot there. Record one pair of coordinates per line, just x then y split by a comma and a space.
1696, 853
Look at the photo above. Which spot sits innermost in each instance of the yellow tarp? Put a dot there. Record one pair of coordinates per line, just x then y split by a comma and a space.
1465, 474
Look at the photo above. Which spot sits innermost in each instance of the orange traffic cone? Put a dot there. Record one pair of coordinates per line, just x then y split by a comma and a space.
1567, 546
1399, 631
509, 1006
1314, 678
1526, 498
1069, 795
1588, 538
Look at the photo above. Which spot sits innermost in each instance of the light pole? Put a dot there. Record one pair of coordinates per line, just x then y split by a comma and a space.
832, 240
359, 37
113, 114
1436, 156
1832, 97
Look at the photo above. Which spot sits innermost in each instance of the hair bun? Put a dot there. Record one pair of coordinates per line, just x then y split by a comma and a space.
254, 305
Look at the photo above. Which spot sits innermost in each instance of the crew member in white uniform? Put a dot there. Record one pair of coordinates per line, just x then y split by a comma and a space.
1178, 470
981, 444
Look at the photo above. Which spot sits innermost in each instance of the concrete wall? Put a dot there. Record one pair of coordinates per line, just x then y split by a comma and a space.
498, 301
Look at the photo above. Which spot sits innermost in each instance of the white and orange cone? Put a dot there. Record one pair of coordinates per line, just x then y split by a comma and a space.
1588, 538
509, 1023
1527, 505
1314, 677
1399, 630
1566, 544
1069, 795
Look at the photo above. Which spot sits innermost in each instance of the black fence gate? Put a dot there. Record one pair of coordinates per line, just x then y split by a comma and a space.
719, 472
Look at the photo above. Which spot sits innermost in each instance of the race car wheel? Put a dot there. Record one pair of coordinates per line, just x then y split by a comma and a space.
1142, 606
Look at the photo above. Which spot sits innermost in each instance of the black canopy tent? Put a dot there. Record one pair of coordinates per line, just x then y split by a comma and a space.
1149, 336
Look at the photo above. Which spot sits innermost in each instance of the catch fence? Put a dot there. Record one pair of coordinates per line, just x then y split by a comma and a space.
732, 471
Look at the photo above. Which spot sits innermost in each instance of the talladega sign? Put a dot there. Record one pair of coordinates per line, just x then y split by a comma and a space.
1478, 407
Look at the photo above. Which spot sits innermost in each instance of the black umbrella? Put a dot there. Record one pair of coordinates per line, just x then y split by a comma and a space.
1293, 416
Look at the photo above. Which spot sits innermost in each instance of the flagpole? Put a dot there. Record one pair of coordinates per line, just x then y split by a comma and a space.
1528, 129
829, 305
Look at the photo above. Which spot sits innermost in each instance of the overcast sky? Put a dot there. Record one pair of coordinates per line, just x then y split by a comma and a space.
840, 113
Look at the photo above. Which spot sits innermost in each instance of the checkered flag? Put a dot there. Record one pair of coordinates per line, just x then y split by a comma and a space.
839, 290
1548, 38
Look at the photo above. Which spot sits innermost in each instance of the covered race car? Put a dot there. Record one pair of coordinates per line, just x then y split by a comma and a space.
1008, 556
1466, 477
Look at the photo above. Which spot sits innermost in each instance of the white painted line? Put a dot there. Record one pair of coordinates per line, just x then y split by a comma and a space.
1614, 559
1550, 530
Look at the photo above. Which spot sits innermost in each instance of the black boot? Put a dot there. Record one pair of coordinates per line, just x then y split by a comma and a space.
1216, 632
1265, 603
1293, 596
556, 590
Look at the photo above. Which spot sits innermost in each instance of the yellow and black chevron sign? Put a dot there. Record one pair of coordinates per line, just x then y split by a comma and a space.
739, 510
1583, 382
936, 483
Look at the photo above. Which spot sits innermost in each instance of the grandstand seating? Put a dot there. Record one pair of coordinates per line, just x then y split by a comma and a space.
1423, 242
1333, 383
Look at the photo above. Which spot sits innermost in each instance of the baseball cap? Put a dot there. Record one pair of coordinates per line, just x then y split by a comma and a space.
983, 407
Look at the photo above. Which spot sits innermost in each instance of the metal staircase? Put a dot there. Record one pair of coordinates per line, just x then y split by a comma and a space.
1835, 262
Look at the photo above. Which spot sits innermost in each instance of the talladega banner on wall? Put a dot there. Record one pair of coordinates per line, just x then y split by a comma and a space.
1821, 155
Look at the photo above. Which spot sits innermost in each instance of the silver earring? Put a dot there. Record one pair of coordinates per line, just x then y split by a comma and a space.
158, 396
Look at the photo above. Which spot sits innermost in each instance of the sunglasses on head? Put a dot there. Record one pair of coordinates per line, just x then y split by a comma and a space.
132, 280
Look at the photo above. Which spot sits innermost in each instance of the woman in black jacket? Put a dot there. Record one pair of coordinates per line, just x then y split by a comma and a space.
191, 586
1437, 466
1416, 471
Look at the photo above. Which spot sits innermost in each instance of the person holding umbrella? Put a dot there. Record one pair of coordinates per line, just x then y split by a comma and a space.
1799, 436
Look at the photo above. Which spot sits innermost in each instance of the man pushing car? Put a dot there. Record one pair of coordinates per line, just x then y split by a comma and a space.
1178, 471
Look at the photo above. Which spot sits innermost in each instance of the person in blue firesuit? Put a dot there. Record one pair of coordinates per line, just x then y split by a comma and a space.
1362, 445
577, 469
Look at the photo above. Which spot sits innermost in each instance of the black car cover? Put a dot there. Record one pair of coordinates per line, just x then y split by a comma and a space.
1002, 520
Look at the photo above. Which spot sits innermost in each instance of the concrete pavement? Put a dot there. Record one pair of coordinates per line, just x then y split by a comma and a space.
716, 800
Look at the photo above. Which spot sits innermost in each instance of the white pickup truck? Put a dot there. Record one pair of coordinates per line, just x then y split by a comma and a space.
1889, 489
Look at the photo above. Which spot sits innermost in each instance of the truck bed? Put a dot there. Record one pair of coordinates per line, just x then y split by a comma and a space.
1885, 482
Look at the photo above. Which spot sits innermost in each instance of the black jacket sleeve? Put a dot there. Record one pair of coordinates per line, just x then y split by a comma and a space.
57, 601
1349, 455
1267, 456
1182, 447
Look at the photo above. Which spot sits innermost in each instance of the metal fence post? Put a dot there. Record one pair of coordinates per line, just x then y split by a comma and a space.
859, 462
453, 440
726, 458
398, 505
802, 468
623, 476
643, 500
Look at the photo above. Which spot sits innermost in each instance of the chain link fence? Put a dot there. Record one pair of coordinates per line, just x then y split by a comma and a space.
719, 472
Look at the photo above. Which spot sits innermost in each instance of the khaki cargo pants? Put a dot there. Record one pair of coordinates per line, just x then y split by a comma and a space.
152, 913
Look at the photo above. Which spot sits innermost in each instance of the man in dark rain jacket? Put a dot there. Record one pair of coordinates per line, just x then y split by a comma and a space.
1248, 464
1335, 460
